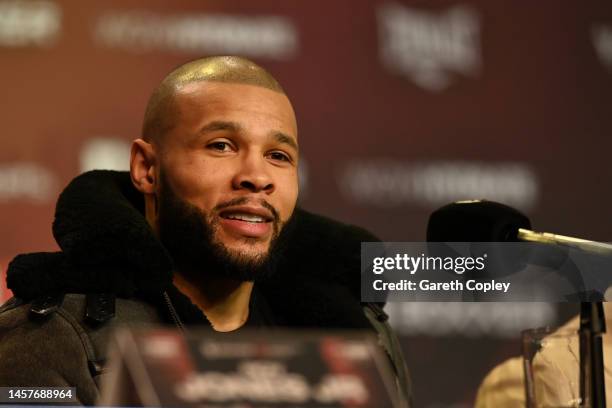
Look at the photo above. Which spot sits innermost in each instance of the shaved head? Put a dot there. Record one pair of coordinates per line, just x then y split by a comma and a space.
161, 113
218, 166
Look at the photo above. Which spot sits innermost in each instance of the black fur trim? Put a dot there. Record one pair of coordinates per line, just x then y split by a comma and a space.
99, 222
109, 247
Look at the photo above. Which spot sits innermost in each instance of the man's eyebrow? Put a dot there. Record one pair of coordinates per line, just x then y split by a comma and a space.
236, 127
221, 125
286, 139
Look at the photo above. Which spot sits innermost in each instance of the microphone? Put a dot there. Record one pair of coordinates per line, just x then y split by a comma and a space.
488, 221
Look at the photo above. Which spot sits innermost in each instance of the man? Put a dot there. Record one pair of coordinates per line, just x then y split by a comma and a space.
203, 231
227, 170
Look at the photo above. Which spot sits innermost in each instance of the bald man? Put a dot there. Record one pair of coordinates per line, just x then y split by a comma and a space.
203, 230
217, 167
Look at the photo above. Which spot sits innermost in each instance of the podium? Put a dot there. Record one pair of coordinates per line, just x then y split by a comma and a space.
271, 369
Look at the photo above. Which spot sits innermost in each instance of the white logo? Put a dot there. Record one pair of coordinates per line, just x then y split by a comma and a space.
390, 183
499, 319
602, 41
106, 153
162, 347
26, 180
27, 23
429, 47
261, 36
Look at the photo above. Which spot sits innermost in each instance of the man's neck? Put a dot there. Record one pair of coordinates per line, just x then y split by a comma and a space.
224, 302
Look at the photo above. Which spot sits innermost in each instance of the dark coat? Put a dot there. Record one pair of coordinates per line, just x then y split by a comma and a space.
56, 329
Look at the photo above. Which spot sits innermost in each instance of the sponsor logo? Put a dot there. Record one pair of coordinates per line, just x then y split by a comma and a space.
602, 41
271, 37
108, 153
390, 183
28, 181
29, 23
504, 320
429, 47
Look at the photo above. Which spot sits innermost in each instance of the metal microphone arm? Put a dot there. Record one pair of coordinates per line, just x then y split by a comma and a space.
593, 247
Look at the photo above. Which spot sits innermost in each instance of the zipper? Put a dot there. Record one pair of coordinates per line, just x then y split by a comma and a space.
173, 314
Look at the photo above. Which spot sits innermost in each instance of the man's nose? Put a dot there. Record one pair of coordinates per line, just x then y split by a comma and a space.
253, 175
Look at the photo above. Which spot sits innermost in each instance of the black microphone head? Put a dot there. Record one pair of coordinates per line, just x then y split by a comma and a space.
475, 221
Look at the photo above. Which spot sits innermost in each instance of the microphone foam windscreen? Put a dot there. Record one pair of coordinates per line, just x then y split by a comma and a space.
475, 221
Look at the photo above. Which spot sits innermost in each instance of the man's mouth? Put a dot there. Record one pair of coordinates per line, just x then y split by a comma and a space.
254, 222
248, 214
245, 217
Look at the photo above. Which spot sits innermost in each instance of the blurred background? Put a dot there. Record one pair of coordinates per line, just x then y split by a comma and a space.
403, 106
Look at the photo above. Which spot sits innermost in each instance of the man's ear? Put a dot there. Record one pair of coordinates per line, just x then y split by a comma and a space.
143, 166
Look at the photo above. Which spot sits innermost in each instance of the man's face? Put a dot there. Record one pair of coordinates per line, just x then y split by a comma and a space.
232, 155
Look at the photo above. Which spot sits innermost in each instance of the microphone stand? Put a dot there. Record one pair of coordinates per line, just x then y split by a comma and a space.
592, 382
592, 321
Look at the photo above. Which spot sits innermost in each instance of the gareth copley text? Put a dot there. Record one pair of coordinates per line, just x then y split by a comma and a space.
456, 285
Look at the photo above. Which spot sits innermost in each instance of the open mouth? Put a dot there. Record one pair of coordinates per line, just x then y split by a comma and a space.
245, 217
247, 221
252, 215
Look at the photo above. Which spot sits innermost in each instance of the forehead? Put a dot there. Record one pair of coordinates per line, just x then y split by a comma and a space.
199, 102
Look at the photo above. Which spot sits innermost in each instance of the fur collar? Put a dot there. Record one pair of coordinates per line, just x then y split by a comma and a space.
107, 246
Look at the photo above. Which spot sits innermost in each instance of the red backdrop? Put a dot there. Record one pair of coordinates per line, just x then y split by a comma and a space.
402, 106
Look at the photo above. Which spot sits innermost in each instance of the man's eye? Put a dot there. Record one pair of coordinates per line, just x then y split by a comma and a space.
220, 146
280, 156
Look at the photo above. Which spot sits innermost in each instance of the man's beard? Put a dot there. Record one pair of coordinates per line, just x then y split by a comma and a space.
189, 236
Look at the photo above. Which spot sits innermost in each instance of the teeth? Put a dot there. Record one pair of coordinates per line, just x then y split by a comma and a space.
245, 217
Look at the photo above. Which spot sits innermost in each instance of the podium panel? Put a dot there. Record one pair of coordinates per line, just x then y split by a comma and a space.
259, 369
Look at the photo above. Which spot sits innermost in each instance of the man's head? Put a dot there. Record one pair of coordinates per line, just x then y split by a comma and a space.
219, 149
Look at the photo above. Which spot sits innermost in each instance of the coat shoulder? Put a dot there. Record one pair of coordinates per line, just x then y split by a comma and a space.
60, 348
43, 352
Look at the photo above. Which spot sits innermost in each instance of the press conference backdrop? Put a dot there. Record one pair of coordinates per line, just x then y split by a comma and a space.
402, 106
